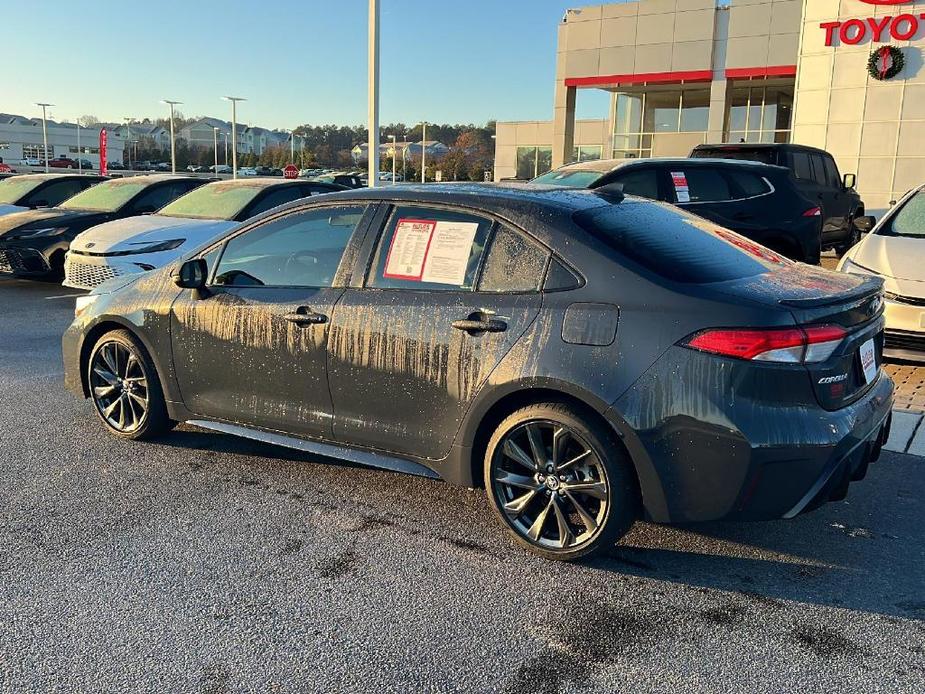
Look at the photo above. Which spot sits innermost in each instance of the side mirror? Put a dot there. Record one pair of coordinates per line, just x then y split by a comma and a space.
849, 180
865, 224
192, 274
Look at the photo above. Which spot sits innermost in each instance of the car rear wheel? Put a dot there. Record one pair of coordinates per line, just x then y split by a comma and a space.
125, 388
560, 482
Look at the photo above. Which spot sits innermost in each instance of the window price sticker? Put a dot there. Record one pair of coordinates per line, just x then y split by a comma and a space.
683, 193
430, 251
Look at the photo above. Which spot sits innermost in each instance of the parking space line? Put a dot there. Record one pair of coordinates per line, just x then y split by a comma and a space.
903, 429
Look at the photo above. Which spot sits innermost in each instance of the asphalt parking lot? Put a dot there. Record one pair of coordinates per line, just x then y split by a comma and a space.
204, 563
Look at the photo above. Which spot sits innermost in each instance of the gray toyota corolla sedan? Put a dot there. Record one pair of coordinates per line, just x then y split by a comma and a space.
588, 359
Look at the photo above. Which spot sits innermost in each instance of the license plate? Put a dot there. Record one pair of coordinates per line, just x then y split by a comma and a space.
868, 361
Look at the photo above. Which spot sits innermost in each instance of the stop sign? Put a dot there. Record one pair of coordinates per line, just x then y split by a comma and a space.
291, 171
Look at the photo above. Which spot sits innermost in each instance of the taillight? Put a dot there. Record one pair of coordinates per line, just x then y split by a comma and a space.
802, 345
813, 212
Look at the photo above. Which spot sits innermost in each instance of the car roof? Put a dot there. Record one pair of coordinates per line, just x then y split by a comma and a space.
760, 146
488, 196
155, 178
57, 176
608, 165
256, 182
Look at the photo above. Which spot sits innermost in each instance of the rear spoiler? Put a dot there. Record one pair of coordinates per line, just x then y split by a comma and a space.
870, 285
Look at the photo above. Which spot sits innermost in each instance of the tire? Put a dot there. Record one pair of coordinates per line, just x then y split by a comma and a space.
592, 500
125, 388
854, 237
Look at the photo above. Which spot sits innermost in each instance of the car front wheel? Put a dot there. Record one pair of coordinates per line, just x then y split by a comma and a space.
125, 389
560, 482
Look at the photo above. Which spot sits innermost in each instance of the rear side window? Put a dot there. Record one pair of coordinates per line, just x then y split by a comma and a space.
56, 192
643, 183
750, 185
700, 184
275, 198
765, 155
802, 168
513, 264
818, 164
429, 249
675, 245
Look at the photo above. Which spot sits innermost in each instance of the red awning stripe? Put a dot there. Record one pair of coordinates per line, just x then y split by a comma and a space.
767, 71
640, 78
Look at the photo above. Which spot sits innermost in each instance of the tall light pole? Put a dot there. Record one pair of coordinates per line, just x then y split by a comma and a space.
225, 135
173, 144
44, 133
234, 132
215, 140
424, 125
292, 147
373, 76
80, 165
394, 152
128, 139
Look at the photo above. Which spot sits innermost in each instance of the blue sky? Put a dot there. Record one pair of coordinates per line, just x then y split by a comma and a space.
297, 61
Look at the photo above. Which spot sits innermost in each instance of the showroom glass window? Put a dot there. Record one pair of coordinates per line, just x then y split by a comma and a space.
640, 119
759, 114
533, 160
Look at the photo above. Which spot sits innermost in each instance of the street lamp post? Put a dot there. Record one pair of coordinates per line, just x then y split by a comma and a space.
128, 139
80, 166
424, 125
215, 140
292, 147
394, 151
173, 145
44, 133
373, 77
225, 135
234, 132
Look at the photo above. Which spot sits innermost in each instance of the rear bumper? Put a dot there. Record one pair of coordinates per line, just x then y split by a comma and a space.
738, 459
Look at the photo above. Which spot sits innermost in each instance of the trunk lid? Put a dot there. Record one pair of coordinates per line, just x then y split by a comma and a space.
814, 296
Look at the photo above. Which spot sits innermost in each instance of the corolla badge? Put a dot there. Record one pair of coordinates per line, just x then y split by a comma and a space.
833, 379
875, 305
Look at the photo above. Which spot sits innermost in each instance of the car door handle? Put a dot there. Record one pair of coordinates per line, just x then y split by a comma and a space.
305, 316
480, 325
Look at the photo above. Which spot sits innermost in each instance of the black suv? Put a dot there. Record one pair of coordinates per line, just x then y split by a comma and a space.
817, 176
759, 201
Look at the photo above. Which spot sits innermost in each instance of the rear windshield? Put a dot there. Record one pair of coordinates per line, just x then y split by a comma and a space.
762, 154
108, 196
12, 189
572, 179
909, 220
676, 245
214, 201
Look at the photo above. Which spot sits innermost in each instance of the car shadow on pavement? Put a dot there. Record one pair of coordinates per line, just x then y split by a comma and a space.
862, 554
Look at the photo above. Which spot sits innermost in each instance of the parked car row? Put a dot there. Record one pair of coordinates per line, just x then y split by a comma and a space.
115, 221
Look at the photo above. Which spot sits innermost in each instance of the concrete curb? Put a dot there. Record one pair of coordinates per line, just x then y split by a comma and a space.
907, 434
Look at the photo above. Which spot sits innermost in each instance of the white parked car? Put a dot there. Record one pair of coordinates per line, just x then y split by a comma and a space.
30, 161
139, 244
220, 169
247, 171
895, 250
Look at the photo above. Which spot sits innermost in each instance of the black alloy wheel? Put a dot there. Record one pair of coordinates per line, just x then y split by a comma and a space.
552, 483
124, 388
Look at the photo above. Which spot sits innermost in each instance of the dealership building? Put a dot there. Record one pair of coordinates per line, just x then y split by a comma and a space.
22, 138
843, 75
